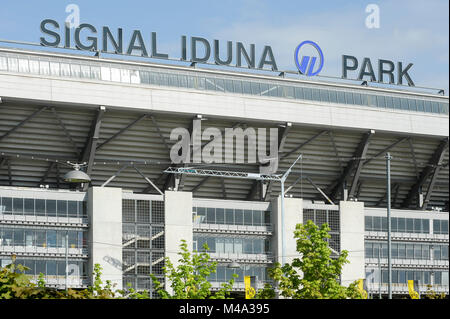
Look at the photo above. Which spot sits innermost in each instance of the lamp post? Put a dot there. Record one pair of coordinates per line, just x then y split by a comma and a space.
388, 192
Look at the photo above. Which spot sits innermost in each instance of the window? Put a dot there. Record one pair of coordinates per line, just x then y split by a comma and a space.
19, 239
377, 223
257, 217
18, 206
210, 215
401, 224
72, 209
61, 208
417, 225
409, 225
51, 208
51, 238
239, 216
29, 206
409, 251
229, 216
39, 206
248, 217
220, 216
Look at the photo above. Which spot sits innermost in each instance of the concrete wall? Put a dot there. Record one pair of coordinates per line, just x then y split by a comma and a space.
293, 215
352, 240
105, 232
178, 220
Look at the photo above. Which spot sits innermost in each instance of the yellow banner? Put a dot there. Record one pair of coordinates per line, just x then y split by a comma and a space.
250, 291
414, 294
361, 288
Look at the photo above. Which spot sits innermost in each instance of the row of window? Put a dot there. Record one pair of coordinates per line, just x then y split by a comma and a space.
233, 245
223, 273
30, 237
47, 267
230, 216
406, 251
406, 225
142, 211
400, 276
104, 72
43, 207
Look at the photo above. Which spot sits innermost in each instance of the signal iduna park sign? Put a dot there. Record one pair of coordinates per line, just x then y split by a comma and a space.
202, 51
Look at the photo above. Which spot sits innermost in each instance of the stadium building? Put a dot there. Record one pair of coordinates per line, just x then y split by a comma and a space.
117, 116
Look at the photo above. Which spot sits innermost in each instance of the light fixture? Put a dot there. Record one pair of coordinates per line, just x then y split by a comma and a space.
75, 175
233, 265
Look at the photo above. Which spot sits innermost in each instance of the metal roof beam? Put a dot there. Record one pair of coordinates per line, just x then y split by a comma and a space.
50, 167
434, 176
66, 132
158, 129
134, 122
196, 187
303, 144
354, 164
30, 117
429, 170
386, 149
91, 145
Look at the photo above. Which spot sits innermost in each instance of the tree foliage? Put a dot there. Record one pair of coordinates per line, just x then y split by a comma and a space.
189, 280
314, 274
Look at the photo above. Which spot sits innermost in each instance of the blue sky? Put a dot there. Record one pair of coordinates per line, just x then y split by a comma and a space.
413, 31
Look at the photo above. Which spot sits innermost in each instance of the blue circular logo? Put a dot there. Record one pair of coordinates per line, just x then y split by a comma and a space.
307, 63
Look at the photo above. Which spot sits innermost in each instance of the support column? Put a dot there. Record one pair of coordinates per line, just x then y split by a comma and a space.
178, 225
105, 233
352, 240
293, 215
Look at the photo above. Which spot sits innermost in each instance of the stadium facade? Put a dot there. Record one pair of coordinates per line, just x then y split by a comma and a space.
117, 116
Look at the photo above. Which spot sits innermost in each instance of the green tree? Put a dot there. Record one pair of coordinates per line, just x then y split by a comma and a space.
189, 279
315, 274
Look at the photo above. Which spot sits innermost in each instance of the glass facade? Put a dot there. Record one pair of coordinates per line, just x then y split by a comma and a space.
398, 224
223, 273
112, 72
402, 250
440, 226
41, 237
232, 245
50, 267
43, 207
230, 216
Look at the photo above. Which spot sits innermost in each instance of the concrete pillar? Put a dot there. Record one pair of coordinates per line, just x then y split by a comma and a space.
105, 232
352, 240
293, 215
178, 224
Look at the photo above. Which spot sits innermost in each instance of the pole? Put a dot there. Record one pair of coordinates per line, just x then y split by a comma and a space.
380, 281
282, 221
67, 256
388, 173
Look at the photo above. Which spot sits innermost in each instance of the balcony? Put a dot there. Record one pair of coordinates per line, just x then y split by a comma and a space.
375, 288
409, 263
262, 258
379, 235
265, 229
30, 250
43, 220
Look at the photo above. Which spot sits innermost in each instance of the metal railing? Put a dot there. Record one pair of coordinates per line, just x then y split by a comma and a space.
264, 228
23, 219
43, 250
